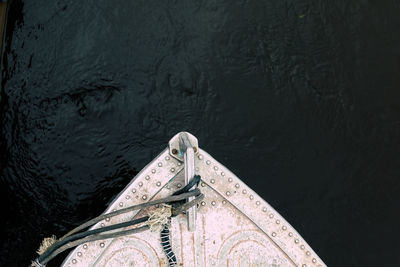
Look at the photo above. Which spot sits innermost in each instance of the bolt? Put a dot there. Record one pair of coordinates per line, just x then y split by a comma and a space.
174, 151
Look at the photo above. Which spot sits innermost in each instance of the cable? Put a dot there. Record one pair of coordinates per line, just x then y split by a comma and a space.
72, 238
87, 233
169, 199
91, 239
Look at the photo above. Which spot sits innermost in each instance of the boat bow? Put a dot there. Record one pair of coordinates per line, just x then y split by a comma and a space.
232, 226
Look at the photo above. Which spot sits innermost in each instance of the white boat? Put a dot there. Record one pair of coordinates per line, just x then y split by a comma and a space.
231, 226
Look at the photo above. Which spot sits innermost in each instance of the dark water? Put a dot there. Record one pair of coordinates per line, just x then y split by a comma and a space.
301, 99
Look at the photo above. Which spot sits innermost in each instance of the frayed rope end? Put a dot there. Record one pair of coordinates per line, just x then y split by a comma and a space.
46, 243
36, 263
159, 217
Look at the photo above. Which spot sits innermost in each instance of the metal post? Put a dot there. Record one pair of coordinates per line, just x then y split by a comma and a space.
188, 159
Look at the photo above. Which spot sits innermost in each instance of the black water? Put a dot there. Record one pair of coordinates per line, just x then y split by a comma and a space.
301, 99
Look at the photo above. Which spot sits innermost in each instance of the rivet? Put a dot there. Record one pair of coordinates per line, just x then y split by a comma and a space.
172, 169
107, 219
102, 245
79, 254
319, 265
237, 185
251, 197
244, 191
203, 203
159, 164
308, 253
296, 241
273, 234
264, 209
208, 162
304, 265
144, 197
197, 169
284, 228
223, 201
133, 190
230, 180
216, 168
213, 203
271, 215
314, 260
140, 184
168, 186
278, 221
153, 171
158, 184
167, 158
102, 225
127, 197
121, 204
257, 203
228, 193
200, 157
179, 185
147, 177
290, 234
212, 181
222, 174
302, 247
85, 246
174, 151
74, 261
203, 184
179, 163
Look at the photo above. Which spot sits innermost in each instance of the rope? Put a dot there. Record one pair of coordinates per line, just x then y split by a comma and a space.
159, 218
166, 245
46, 243
194, 181
75, 237
35, 263
156, 221
97, 219
165, 234
91, 239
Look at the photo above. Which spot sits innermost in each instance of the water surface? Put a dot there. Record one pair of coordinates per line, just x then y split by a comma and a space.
299, 98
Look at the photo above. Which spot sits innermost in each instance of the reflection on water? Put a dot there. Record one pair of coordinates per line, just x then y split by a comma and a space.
299, 98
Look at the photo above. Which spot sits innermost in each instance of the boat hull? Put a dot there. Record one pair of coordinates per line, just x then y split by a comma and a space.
234, 225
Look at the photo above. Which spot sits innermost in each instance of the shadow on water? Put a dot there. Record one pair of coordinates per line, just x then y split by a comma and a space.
298, 98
